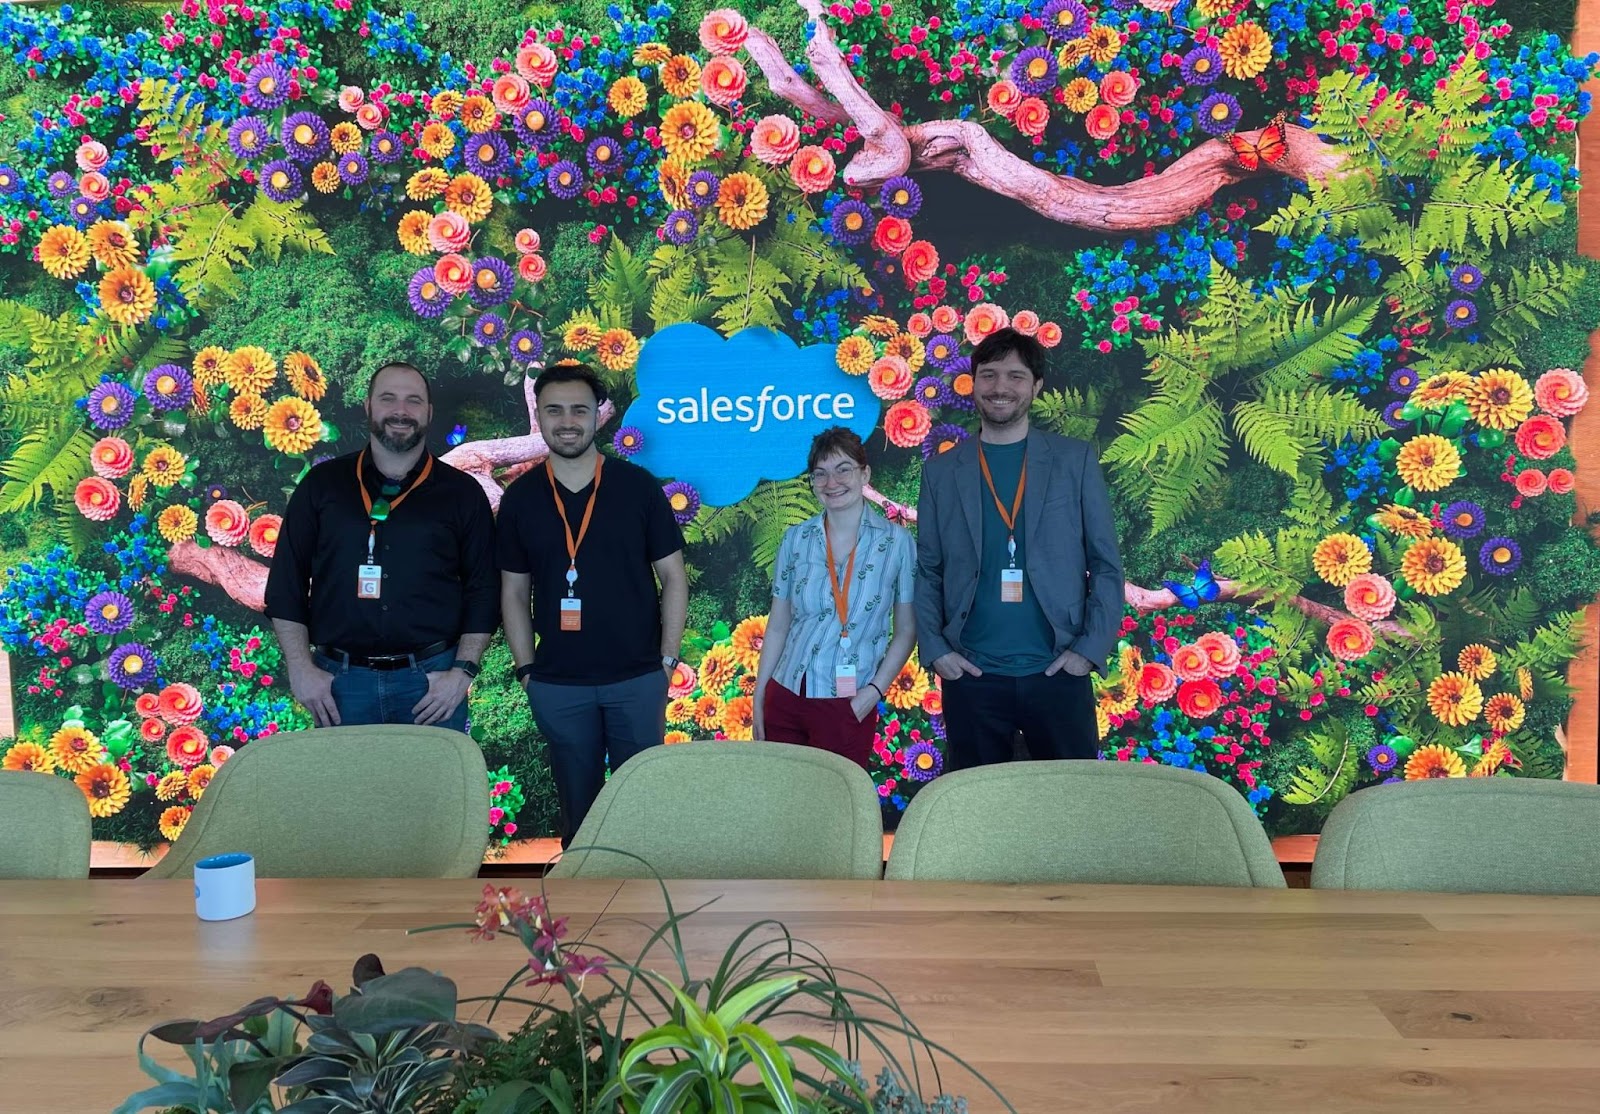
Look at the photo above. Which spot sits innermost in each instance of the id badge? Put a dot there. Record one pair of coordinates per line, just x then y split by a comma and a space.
369, 582
1010, 585
571, 614
844, 679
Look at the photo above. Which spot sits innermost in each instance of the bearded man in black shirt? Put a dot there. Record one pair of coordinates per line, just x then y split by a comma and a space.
383, 591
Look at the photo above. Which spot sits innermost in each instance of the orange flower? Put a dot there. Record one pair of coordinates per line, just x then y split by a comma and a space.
1031, 117
179, 704
172, 785
908, 348
718, 669
908, 688
1434, 566
28, 758
1199, 699
1531, 482
468, 195
933, 703
264, 534
427, 183
106, 788
172, 821
742, 201
708, 712
1156, 683
292, 426
112, 244
680, 75
1102, 122
97, 499
1369, 597
723, 80
1455, 699
1350, 639
628, 96
1476, 661
674, 738
210, 366
747, 640
812, 169
248, 411
889, 377
478, 114
907, 424
618, 349
892, 236
739, 718
1340, 558
187, 746
680, 709
305, 376
1434, 761
1004, 97
249, 370
1191, 662
1503, 712
437, 140
1541, 437
200, 777
1118, 88
76, 749
127, 295
983, 319
690, 131
1428, 462
1499, 398
63, 252
920, 262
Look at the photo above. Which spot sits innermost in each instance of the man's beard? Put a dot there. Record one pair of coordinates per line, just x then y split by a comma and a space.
577, 449
398, 437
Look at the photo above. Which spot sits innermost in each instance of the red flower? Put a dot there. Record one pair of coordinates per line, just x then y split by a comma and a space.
1199, 699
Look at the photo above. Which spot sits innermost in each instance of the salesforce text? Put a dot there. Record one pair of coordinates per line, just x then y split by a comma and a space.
753, 409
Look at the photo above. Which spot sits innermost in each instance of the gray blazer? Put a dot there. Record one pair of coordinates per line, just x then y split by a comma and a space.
1070, 559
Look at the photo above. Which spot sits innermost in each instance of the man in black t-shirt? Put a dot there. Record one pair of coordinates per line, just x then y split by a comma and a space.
584, 539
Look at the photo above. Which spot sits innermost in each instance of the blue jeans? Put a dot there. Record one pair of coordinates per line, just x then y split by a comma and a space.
365, 695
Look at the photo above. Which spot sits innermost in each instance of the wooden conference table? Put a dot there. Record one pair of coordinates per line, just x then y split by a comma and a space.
1070, 998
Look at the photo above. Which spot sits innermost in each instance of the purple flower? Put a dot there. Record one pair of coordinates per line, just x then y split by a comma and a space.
851, 223
386, 147
1034, 71
703, 187
682, 226
306, 137
108, 613
428, 298
353, 168
266, 87
169, 387
486, 154
83, 209
628, 440
1382, 758
932, 392
1391, 415
943, 350
1500, 556
1219, 114
602, 154
489, 329
133, 666
526, 346
281, 180
10, 180
215, 493
1065, 19
61, 184
942, 438
1202, 66
248, 136
1463, 520
565, 179
937, 723
111, 406
492, 281
1466, 278
1403, 381
535, 125
1459, 314
923, 762
684, 501
901, 197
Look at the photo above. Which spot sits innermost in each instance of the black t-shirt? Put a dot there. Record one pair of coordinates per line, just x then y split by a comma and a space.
632, 527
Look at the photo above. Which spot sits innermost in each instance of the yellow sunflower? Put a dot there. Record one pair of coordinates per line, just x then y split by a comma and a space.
293, 426
470, 196
1440, 390
908, 348
200, 777
172, 821
106, 788
1524, 682
680, 709
1504, 712
680, 75
628, 96
651, 54
1211, 9
1434, 566
739, 718
172, 786
742, 201
413, 232
28, 757
177, 523
1476, 661
1072, 52
1246, 49
1496, 756
127, 295
908, 688
1102, 722
1428, 462
1105, 43
305, 376
437, 139
1080, 95
137, 487
581, 336
479, 115
1434, 761
346, 137
618, 349
63, 252
855, 354
689, 131
673, 738
248, 411
250, 370
164, 466
209, 366
76, 749
1455, 699
324, 177
427, 183
112, 244
1407, 522
747, 639
1340, 558
1500, 399
708, 712
1118, 697
447, 103
718, 669
879, 325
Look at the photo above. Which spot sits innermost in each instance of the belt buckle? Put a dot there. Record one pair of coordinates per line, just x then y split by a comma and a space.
388, 658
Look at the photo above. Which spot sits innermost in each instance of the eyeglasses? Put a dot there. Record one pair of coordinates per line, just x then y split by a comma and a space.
844, 473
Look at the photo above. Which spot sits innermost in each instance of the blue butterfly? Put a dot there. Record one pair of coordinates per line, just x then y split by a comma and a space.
457, 435
1204, 589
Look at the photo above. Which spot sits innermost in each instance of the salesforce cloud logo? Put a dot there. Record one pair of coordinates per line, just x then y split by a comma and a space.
723, 415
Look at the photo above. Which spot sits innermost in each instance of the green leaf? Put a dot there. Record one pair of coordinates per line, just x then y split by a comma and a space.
771, 1061
672, 1087
746, 1000
403, 1000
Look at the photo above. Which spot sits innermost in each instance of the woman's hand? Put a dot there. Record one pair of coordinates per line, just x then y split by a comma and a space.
759, 728
864, 703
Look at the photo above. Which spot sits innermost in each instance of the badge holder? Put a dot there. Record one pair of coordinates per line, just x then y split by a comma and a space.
844, 674
1011, 578
571, 606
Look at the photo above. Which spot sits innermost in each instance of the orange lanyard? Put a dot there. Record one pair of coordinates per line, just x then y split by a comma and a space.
1009, 518
588, 513
841, 590
366, 497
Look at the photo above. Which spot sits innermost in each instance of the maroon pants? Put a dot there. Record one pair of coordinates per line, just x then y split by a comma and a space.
826, 723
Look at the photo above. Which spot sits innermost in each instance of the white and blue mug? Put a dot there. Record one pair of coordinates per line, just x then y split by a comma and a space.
224, 887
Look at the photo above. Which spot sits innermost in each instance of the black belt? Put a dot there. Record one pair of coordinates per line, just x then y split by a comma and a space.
384, 661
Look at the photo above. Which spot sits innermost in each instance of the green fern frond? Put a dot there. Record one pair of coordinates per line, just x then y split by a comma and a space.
1308, 345
275, 225
1274, 568
53, 460
1176, 488
1484, 204
1533, 295
1548, 648
1269, 436
777, 505
623, 280
1310, 503
1070, 413
1338, 767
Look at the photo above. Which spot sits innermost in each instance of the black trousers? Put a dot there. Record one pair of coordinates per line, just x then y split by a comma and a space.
1055, 715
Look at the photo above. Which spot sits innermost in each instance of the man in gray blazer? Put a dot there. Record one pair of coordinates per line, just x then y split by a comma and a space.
1019, 593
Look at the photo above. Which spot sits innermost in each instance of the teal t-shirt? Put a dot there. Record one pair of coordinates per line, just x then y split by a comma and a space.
1009, 639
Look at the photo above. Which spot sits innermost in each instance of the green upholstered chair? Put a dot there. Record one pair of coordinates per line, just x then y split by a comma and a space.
1464, 835
44, 826
719, 809
382, 801
1083, 821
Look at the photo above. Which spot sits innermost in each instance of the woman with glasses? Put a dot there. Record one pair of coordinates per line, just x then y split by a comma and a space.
842, 623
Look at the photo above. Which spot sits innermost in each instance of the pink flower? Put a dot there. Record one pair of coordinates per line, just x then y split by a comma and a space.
1350, 639
1118, 88
531, 268
527, 241
454, 273
812, 169
723, 31
723, 80
1369, 596
351, 98
1531, 482
1004, 97
449, 232
496, 815
1025, 322
1031, 117
1541, 437
1156, 683
919, 325
538, 64
371, 116
1102, 121
1561, 481
91, 155
1223, 653
1560, 392
95, 186
775, 139
510, 829
511, 92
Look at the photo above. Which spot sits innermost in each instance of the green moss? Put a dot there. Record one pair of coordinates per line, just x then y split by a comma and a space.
1564, 573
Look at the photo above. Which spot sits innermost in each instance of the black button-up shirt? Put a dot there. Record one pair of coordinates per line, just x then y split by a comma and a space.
436, 550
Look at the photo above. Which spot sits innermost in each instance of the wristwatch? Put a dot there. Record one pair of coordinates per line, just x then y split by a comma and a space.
524, 672
668, 662
470, 668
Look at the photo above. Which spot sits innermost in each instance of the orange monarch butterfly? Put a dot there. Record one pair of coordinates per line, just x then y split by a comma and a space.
1270, 147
